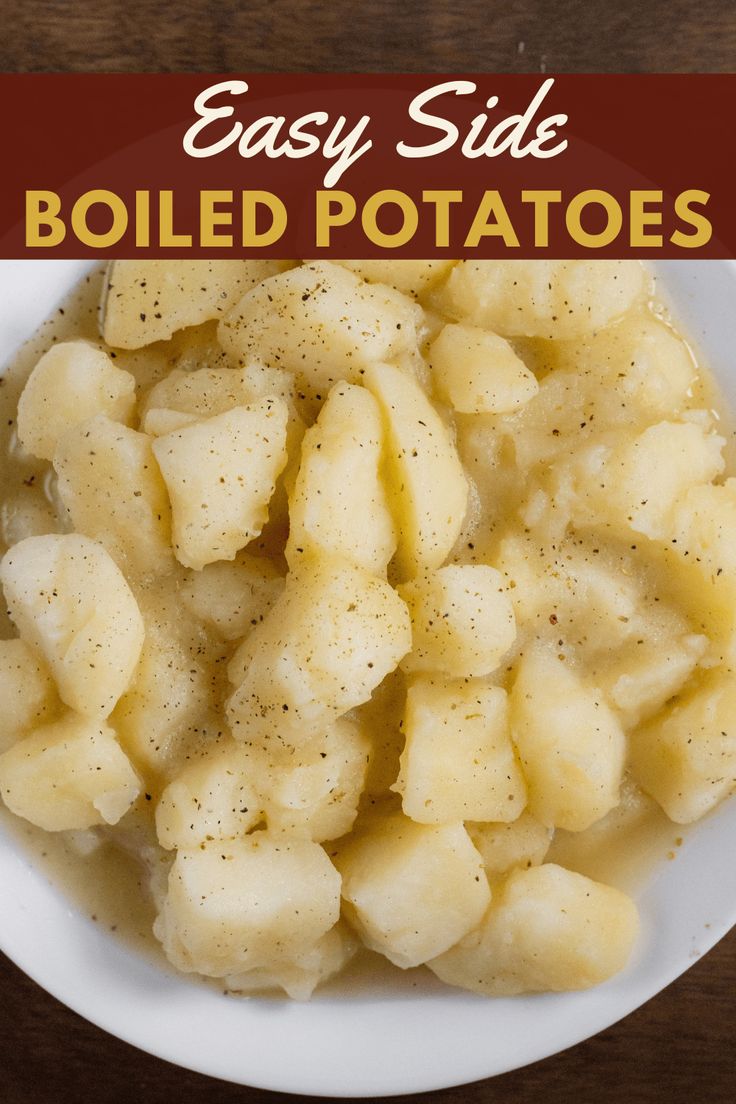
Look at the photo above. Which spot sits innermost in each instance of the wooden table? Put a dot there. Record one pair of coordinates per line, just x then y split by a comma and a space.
679, 1047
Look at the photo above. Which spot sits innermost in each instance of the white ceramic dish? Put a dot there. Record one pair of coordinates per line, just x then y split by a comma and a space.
414, 1035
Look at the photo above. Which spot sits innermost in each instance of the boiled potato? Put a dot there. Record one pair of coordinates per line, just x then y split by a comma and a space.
28, 513
146, 301
314, 794
70, 601
648, 365
68, 774
182, 398
649, 673
220, 474
638, 484
570, 743
412, 890
72, 382
247, 903
110, 483
27, 691
550, 299
171, 705
686, 756
300, 976
328, 641
477, 372
547, 928
411, 277
522, 842
210, 799
233, 596
427, 485
339, 505
321, 322
458, 762
462, 620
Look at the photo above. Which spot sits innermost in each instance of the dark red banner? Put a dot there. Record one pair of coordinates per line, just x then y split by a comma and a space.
430, 165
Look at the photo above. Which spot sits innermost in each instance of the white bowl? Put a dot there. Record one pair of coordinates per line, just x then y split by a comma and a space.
393, 1036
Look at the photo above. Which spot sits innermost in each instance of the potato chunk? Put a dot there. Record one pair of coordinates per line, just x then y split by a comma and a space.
182, 398
233, 596
211, 799
72, 382
69, 600
329, 640
247, 903
462, 620
412, 890
478, 372
170, 707
146, 301
427, 484
110, 483
221, 474
27, 691
523, 842
69, 774
315, 793
686, 756
546, 929
411, 277
570, 743
638, 484
321, 322
300, 976
458, 762
550, 299
339, 505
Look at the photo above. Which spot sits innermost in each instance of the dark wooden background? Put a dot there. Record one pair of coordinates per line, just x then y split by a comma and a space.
679, 1047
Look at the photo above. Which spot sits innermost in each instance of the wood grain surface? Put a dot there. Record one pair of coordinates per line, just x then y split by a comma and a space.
679, 1047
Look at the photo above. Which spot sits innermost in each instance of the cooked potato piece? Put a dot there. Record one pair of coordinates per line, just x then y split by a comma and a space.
639, 483
570, 743
523, 842
233, 596
550, 299
27, 691
478, 372
462, 620
314, 794
647, 674
186, 397
427, 484
338, 506
211, 799
647, 365
458, 762
68, 774
146, 301
27, 513
221, 474
300, 976
72, 382
247, 903
170, 707
321, 322
686, 756
547, 928
412, 890
70, 601
411, 277
328, 641
110, 483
